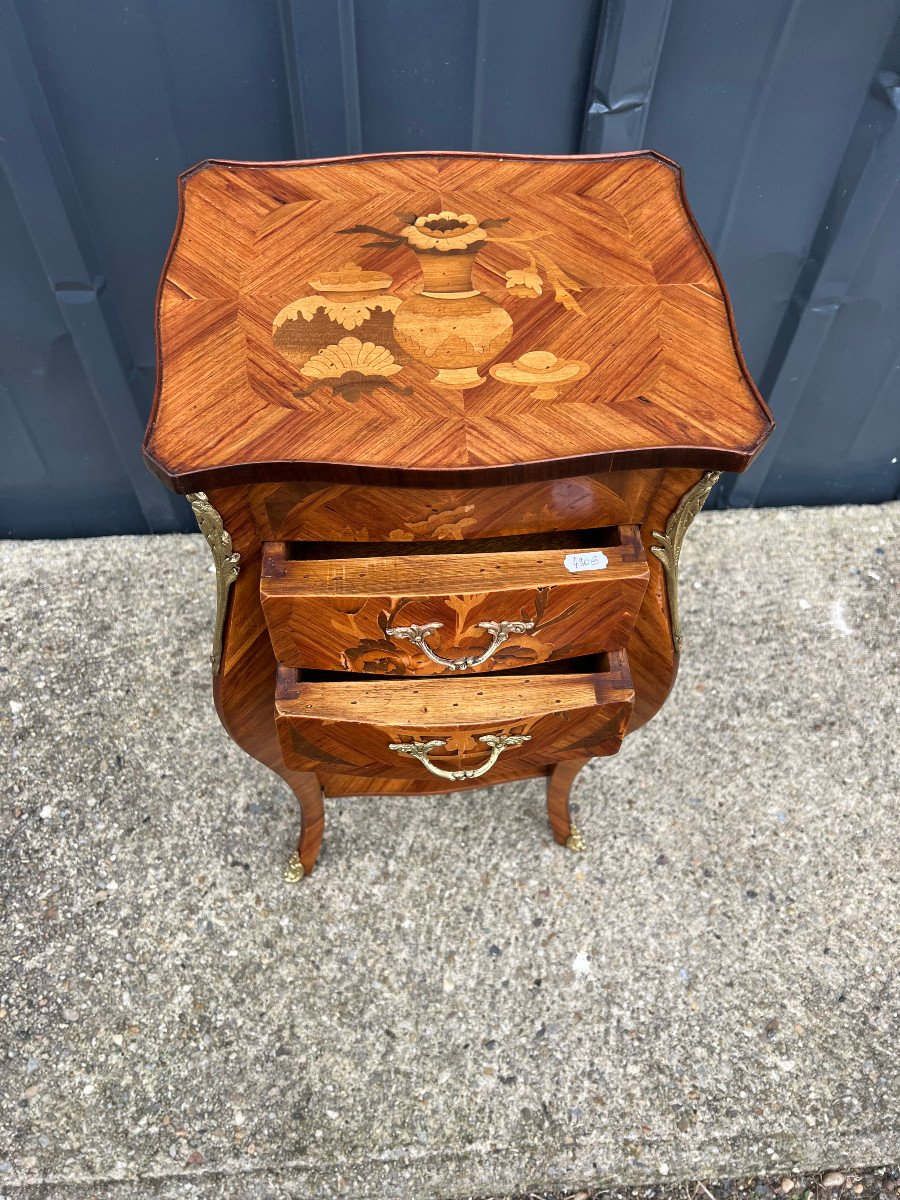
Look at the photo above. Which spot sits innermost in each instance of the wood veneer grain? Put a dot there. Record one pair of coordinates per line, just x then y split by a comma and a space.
245, 687
597, 263
352, 727
341, 512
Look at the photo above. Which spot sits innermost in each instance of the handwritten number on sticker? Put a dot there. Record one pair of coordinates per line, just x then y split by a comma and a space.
593, 560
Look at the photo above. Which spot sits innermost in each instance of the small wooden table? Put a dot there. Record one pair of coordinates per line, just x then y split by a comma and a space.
444, 420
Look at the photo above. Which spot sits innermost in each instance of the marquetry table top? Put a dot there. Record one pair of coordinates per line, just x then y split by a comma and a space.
451, 317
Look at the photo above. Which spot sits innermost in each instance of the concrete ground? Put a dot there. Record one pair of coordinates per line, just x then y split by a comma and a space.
451, 1005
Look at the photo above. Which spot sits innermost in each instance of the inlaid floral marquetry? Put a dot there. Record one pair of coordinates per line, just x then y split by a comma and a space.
434, 313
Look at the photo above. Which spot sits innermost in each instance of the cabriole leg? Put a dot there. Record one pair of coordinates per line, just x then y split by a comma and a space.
308, 791
559, 781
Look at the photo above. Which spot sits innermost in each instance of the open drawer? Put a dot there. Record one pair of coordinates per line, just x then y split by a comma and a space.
448, 607
460, 729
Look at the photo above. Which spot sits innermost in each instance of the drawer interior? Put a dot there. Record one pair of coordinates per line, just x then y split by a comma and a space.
609, 535
340, 696
584, 664
430, 608
423, 568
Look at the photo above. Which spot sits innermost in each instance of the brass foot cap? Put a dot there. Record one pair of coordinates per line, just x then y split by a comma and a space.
575, 841
294, 871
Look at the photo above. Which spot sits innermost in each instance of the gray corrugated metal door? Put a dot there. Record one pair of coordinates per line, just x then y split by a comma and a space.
784, 116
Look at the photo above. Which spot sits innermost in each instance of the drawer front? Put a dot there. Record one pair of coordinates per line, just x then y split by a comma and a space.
475, 611
458, 730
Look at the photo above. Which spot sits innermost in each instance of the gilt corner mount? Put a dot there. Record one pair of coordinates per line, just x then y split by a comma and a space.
225, 562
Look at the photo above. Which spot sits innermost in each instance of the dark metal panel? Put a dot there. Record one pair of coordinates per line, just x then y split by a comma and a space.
375, 76
530, 86
38, 179
629, 44
416, 88
106, 101
847, 296
320, 60
869, 472
60, 474
140, 91
836, 385
758, 102
103, 106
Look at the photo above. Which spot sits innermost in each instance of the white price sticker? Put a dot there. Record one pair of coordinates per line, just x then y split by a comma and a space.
593, 560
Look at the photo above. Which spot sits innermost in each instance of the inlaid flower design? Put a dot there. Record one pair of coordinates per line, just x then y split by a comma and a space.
349, 314
524, 283
528, 282
444, 231
447, 324
346, 300
451, 233
351, 367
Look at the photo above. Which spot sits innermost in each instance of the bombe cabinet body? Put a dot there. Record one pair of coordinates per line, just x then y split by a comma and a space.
444, 420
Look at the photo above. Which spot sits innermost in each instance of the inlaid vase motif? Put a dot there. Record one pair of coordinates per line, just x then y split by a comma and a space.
347, 301
450, 325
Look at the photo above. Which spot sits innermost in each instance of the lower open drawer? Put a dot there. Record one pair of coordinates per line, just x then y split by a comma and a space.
500, 726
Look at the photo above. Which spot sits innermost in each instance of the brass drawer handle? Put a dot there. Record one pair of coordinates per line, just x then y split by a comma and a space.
497, 741
499, 630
